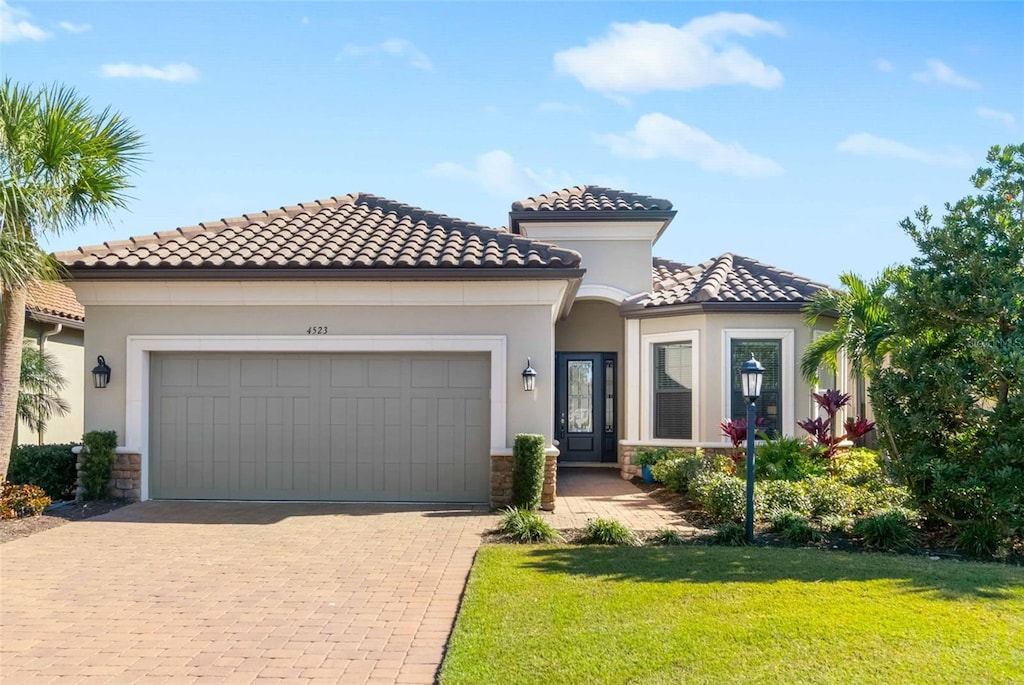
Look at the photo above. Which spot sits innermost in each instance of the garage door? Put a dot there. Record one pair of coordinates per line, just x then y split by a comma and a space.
361, 427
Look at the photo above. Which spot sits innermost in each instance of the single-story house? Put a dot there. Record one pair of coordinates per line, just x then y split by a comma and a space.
357, 348
55, 323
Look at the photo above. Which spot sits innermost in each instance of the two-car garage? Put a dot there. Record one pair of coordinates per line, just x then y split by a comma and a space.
319, 426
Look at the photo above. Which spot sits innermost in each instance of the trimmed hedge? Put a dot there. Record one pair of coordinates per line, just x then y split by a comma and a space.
51, 467
527, 470
98, 455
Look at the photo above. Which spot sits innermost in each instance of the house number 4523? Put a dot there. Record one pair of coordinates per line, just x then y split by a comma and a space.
316, 330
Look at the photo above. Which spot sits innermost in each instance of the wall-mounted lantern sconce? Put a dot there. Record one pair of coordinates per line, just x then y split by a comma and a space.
529, 377
101, 374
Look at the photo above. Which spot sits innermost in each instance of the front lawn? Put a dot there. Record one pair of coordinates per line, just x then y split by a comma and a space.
576, 614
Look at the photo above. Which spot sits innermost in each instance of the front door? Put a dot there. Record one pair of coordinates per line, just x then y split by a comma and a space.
585, 411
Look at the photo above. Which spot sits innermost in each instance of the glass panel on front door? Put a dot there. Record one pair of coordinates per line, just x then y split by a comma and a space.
581, 396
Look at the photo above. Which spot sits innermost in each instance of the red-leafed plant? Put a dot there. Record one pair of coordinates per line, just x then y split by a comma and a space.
823, 430
736, 431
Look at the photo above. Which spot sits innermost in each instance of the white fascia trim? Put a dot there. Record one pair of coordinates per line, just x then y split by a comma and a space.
553, 231
632, 379
647, 373
141, 346
786, 335
596, 291
312, 293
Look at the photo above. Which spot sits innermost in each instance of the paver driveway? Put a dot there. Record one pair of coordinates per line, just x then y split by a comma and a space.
184, 592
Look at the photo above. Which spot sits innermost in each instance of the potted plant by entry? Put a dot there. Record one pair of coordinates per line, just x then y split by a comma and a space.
646, 457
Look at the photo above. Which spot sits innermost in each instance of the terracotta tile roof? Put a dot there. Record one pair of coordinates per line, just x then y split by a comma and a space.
357, 231
590, 198
56, 300
726, 278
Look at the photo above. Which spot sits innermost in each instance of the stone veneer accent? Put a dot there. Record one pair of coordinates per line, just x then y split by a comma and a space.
501, 481
125, 477
627, 453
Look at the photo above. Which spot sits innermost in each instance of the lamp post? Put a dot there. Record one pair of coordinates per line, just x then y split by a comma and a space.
751, 373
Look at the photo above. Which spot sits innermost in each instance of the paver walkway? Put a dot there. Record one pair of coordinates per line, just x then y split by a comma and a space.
589, 493
183, 592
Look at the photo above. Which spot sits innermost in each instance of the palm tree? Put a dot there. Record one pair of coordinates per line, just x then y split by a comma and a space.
61, 165
862, 329
39, 397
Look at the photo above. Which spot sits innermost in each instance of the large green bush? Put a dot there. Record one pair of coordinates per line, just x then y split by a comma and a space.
721, 496
51, 467
772, 496
680, 468
527, 470
98, 455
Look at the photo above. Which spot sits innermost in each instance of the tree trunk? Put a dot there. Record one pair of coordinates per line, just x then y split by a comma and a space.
12, 330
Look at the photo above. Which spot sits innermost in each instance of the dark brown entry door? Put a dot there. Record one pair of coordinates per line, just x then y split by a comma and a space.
585, 420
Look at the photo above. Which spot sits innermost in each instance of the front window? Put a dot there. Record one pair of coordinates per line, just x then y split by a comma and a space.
673, 390
769, 405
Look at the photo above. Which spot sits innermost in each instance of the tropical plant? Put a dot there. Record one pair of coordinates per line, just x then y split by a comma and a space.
61, 164
601, 531
823, 429
39, 397
785, 458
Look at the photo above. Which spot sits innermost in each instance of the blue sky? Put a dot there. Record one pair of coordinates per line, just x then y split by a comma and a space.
795, 133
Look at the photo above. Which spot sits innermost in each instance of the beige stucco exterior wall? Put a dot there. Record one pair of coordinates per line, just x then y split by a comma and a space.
527, 329
711, 334
622, 264
68, 349
595, 326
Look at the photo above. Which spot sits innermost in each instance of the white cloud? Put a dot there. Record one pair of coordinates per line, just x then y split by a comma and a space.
883, 64
392, 47
644, 57
170, 72
15, 25
498, 174
659, 136
940, 73
1005, 117
558, 107
867, 145
75, 28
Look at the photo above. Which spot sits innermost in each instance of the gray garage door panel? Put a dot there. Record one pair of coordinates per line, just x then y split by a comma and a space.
320, 427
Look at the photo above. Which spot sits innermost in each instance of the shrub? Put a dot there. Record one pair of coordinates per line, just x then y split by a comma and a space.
649, 456
786, 459
981, 538
733, 534
721, 496
666, 537
858, 466
888, 529
886, 497
676, 472
527, 470
51, 467
98, 455
608, 532
793, 526
837, 524
523, 525
832, 497
18, 500
771, 496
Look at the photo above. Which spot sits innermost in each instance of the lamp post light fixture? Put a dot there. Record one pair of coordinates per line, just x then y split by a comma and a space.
529, 377
101, 374
751, 373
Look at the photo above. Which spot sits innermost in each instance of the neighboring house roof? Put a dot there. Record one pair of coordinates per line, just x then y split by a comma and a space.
55, 302
728, 279
590, 203
590, 198
359, 233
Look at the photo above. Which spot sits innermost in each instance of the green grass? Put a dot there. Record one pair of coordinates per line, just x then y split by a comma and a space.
569, 614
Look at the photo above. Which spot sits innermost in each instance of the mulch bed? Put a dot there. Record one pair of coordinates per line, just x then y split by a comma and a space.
56, 514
